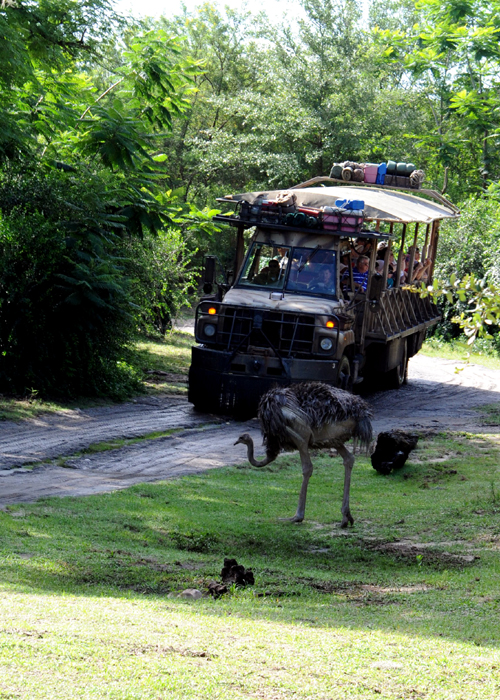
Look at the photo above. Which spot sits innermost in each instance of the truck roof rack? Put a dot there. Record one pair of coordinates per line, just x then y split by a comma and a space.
381, 203
235, 221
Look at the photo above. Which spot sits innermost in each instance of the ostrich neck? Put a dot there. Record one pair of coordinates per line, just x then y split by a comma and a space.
253, 461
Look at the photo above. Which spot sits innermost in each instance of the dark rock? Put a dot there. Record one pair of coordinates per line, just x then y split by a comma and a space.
232, 572
392, 450
216, 589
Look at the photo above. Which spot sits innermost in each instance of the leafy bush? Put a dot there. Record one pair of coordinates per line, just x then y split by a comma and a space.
65, 310
163, 277
469, 245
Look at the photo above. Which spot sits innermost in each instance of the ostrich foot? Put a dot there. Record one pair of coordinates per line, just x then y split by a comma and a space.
295, 519
346, 520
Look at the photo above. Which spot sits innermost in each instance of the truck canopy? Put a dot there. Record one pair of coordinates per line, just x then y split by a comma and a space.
380, 204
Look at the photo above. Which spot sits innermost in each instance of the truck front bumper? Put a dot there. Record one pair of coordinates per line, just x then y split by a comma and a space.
222, 382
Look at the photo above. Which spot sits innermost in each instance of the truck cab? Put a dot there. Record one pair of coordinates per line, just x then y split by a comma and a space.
298, 310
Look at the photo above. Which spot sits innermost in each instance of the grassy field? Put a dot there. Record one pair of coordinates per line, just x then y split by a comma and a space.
404, 605
461, 352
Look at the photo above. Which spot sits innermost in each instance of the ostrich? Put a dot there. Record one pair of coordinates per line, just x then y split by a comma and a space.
307, 415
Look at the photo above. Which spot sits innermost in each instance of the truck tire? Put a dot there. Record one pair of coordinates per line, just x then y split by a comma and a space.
202, 405
395, 378
201, 399
344, 376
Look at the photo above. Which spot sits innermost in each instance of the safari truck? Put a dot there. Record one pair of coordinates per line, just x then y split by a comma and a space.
296, 311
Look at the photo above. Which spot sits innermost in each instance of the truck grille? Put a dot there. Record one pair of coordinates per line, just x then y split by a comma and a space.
288, 333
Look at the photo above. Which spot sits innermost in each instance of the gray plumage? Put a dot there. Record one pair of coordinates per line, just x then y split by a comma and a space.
311, 414
318, 404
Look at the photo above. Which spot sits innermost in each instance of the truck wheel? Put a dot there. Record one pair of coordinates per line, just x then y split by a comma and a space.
202, 406
399, 375
201, 401
344, 377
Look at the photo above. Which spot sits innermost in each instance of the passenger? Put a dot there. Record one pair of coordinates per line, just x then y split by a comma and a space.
420, 270
421, 274
359, 275
282, 257
391, 276
382, 249
362, 246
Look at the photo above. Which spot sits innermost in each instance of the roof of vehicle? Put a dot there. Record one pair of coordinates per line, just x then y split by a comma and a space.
380, 203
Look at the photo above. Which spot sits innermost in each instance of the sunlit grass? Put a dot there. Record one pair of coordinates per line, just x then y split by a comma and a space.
18, 409
461, 352
86, 585
172, 355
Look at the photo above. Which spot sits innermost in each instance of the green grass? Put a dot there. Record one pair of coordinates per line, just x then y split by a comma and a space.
491, 413
18, 409
171, 354
461, 352
85, 585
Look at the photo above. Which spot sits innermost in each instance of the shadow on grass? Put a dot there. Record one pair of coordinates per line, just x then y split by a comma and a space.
401, 566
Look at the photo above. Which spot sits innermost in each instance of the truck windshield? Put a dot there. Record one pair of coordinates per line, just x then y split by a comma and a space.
313, 271
265, 266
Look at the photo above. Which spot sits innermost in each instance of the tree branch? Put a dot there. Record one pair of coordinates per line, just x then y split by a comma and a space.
103, 95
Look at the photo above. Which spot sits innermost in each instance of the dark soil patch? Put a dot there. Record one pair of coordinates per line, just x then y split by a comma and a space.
422, 554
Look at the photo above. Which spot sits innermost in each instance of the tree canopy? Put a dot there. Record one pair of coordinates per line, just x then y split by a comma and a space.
118, 135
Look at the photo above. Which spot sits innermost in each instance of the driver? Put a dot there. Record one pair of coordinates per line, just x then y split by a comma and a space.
324, 282
269, 274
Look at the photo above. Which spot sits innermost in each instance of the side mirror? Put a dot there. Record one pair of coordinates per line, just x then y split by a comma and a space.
209, 274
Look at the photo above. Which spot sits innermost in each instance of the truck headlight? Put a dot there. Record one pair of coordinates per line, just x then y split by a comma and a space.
326, 344
209, 330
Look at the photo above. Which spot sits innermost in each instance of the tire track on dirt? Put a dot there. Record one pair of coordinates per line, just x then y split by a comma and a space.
51, 436
151, 460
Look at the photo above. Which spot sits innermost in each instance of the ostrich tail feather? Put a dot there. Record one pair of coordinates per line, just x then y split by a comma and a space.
276, 409
364, 432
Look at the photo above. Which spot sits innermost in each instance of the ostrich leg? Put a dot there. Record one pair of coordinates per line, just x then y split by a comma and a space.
348, 464
307, 469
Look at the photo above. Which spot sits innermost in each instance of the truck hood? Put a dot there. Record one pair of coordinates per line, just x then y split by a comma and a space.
291, 302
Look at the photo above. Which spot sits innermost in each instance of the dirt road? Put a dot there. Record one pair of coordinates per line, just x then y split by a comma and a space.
440, 395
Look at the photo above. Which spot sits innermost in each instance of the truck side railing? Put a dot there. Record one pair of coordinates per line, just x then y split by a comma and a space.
399, 312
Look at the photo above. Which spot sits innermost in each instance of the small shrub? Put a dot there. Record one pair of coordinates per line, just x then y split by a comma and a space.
201, 542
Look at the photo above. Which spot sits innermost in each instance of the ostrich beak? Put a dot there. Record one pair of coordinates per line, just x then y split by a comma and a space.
238, 442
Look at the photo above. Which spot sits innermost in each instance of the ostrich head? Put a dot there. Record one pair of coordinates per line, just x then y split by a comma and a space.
244, 439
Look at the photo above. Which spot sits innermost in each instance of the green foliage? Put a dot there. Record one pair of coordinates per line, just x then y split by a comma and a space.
40, 42
65, 312
471, 244
151, 121
467, 272
163, 275
480, 298
452, 57
73, 283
